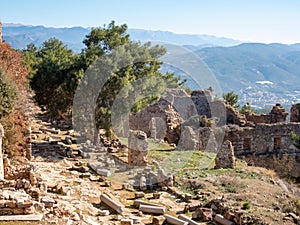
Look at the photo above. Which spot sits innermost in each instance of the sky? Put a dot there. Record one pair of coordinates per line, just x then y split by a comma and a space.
266, 21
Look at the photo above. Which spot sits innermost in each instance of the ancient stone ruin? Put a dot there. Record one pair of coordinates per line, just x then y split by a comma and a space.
225, 156
261, 140
295, 113
1, 153
137, 148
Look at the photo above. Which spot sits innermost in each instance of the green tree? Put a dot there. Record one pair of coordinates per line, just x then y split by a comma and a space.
52, 75
101, 42
246, 108
8, 95
231, 98
296, 139
30, 59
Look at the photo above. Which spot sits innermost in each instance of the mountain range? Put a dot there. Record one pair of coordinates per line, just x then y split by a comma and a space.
20, 35
260, 73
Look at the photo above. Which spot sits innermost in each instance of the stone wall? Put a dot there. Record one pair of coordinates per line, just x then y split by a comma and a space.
234, 117
137, 148
202, 100
267, 145
295, 113
277, 115
1, 153
225, 156
163, 116
15, 202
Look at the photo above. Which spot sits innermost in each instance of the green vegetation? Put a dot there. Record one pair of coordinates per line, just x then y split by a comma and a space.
246, 205
231, 98
247, 108
8, 95
296, 139
55, 72
13, 99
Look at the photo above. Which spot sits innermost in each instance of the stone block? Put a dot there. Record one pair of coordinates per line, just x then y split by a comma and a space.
126, 222
158, 220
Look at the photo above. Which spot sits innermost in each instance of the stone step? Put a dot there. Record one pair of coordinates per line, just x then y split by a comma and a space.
31, 217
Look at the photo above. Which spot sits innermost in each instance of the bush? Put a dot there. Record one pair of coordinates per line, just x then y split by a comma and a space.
13, 101
8, 95
246, 205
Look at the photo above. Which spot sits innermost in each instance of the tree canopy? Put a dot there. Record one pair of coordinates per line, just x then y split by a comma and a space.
231, 98
56, 71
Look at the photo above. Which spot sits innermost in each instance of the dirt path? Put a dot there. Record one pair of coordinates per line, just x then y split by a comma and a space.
74, 187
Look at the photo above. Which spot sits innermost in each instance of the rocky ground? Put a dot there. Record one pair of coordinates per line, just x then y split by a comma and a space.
70, 188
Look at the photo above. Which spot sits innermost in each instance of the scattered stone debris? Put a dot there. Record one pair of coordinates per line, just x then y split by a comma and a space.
111, 203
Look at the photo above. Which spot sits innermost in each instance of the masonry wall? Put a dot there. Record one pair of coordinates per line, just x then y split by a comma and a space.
267, 145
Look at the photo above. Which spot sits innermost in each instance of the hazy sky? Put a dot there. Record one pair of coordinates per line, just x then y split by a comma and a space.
248, 20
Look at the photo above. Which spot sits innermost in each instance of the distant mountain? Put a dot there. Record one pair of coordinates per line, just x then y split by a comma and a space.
20, 35
261, 74
181, 39
241, 66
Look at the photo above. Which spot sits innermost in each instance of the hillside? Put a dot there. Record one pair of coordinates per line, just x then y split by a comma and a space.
261, 74
20, 35
272, 71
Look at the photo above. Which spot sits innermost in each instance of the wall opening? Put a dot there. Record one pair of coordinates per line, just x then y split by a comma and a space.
230, 119
247, 143
277, 143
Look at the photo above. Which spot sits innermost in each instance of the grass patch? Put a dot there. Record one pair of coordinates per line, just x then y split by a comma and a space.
182, 162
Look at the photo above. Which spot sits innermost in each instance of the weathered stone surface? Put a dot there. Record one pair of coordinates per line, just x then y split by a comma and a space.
277, 115
158, 220
33, 217
234, 117
152, 209
295, 113
139, 194
1, 136
188, 139
161, 111
202, 100
225, 157
205, 214
137, 148
223, 221
111, 203
175, 221
48, 201
126, 222
187, 219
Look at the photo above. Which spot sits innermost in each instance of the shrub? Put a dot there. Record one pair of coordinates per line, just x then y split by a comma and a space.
246, 205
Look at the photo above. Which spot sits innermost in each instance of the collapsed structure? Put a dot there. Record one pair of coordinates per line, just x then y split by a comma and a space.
196, 121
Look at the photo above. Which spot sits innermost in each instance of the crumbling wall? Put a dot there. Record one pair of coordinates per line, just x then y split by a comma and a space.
267, 145
225, 157
277, 115
234, 116
2, 169
137, 148
295, 113
181, 102
143, 121
202, 100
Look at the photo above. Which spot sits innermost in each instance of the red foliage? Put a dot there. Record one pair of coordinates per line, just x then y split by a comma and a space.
11, 63
15, 124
